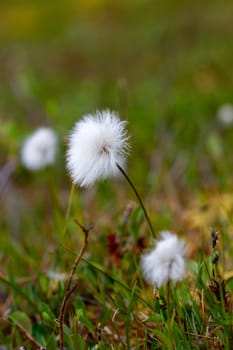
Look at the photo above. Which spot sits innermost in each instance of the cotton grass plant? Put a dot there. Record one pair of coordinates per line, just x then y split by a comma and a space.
98, 146
165, 262
39, 149
225, 115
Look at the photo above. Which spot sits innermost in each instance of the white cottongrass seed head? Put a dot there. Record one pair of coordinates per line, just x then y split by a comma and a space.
96, 145
165, 262
39, 149
225, 114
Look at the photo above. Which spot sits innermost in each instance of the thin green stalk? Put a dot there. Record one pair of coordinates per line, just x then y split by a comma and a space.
139, 199
68, 210
168, 298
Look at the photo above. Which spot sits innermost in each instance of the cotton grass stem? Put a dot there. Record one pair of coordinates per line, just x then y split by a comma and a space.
138, 197
68, 210
70, 289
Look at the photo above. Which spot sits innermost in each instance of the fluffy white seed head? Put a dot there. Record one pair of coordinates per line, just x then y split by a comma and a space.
165, 262
96, 145
225, 114
39, 149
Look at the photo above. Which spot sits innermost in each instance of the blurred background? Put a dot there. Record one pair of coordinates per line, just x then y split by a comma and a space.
164, 65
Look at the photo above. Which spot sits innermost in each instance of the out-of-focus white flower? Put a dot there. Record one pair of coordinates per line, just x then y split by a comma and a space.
165, 262
39, 149
54, 275
96, 145
225, 114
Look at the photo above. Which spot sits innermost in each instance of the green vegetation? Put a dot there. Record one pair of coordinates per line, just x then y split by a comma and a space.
166, 66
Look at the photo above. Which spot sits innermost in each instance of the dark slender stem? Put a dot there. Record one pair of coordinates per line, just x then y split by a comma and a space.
70, 289
138, 197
